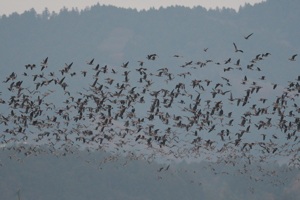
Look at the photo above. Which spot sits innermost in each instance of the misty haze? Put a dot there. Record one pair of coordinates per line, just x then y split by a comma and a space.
169, 103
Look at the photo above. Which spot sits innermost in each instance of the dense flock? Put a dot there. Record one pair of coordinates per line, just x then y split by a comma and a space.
215, 110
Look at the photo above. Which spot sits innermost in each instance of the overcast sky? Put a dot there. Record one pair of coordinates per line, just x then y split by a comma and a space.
9, 6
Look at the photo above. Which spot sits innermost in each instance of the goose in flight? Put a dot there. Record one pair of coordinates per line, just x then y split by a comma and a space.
247, 37
91, 62
293, 57
151, 56
227, 61
236, 49
124, 65
45, 61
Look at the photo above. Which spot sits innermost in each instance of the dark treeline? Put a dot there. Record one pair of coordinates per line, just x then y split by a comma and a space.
114, 35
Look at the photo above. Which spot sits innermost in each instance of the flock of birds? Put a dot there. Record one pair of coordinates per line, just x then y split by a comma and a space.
141, 111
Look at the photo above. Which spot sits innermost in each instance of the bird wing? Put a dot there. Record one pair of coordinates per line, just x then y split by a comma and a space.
235, 46
294, 56
248, 36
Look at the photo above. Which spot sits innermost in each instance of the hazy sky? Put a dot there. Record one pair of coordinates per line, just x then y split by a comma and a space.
10, 6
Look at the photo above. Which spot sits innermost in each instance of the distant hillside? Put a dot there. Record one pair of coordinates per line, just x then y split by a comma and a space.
114, 35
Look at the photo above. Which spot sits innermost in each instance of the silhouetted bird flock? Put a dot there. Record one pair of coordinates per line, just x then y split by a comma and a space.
139, 110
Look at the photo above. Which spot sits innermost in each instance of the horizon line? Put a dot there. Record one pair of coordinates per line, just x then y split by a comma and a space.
88, 7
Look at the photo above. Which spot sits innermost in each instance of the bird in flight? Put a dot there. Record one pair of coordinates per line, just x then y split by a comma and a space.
151, 56
247, 37
236, 49
44, 63
293, 57
91, 62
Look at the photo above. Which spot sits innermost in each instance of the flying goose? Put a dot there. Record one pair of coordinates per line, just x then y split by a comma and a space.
91, 62
247, 37
293, 57
236, 49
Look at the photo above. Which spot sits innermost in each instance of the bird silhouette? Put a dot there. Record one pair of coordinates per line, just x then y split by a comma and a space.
236, 49
90, 62
293, 57
248, 36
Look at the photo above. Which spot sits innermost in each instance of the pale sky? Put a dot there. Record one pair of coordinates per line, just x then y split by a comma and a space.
9, 6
